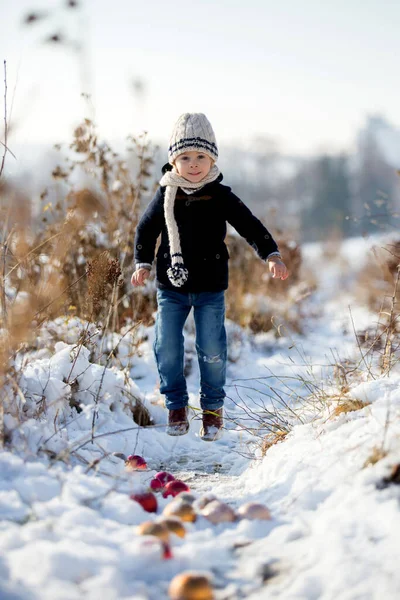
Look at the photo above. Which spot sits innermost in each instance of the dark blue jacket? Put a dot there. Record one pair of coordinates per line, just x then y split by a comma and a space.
201, 219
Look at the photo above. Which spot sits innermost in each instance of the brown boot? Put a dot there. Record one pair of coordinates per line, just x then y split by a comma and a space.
178, 423
213, 421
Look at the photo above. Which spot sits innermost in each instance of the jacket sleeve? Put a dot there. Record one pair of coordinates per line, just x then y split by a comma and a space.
149, 228
249, 227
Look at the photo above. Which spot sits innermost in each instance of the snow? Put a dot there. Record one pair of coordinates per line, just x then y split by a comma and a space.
68, 525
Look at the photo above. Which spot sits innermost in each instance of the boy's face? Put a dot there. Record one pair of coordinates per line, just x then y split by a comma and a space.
193, 166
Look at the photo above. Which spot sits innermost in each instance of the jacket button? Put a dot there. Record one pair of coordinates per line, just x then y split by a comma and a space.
165, 255
187, 202
139, 246
266, 237
217, 256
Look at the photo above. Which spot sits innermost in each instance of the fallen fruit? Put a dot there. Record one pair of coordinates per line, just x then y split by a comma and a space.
187, 497
135, 462
174, 525
147, 501
173, 488
156, 485
254, 510
164, 477
218, 512
181, 509
200, 503
190, 586
160, 531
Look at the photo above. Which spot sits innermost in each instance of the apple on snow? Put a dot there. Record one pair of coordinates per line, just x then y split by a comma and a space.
147, 501
134, 462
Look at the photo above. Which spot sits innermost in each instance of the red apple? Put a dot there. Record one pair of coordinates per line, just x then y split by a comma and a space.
164, 477
173, 488
156, 485
147, 501
135, 462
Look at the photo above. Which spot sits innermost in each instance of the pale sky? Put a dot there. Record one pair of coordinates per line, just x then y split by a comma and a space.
305, 72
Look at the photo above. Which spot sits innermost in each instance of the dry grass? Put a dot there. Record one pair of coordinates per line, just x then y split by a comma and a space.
377, 454
376, 278
254, 299
378, 287
346, 405
55, 259
271, 439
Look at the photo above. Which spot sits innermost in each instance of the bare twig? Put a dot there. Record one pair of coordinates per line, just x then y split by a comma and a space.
96, 400
107, 433
3, 286
5, 120
7, 149
387, 352
359, 346
386, 428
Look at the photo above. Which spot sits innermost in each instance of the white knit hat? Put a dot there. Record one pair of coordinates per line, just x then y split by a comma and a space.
192, 131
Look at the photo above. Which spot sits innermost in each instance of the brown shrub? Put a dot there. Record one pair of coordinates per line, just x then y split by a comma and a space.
378, 286
254, 297
54, 260
376, 279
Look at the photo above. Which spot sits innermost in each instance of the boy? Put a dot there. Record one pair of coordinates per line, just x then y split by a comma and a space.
190, 211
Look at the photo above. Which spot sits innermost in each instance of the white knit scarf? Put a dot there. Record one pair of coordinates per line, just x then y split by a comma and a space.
177, 273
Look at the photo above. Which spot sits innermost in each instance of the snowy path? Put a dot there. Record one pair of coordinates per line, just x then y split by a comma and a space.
67, 530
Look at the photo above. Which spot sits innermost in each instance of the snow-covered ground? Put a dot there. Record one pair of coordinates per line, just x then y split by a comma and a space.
67, 523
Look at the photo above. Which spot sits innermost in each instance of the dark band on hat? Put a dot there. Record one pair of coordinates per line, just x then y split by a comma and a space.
197, 142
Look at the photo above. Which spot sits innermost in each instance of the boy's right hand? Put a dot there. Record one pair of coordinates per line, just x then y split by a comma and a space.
139, 277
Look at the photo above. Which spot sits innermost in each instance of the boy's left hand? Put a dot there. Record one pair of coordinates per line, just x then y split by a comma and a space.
278, 268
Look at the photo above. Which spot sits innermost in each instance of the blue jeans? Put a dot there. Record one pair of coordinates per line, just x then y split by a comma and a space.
209, 316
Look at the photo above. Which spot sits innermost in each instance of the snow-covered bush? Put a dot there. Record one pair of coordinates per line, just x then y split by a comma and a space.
56, 389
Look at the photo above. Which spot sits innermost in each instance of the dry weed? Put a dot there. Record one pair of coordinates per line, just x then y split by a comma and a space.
76, 254
345, 405
271, 439
254, 298
376, 455
378, 287
103, 275
376, 278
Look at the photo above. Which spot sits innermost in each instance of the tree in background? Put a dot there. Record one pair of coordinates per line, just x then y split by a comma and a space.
377, 185
325, 182
329, 194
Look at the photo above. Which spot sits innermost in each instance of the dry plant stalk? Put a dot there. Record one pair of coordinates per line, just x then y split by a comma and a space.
378, 286
391, 329
271, 439
4, 144
346, 405
103, 275
254, 298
